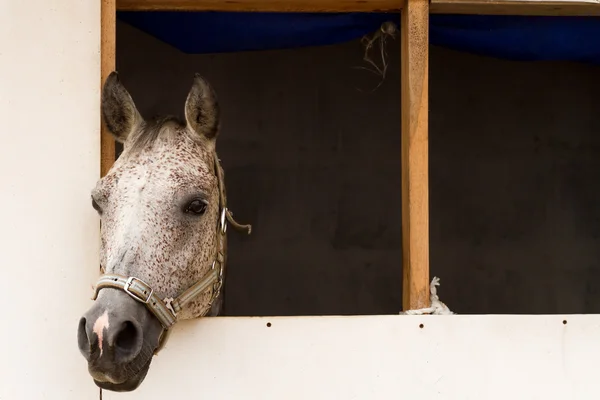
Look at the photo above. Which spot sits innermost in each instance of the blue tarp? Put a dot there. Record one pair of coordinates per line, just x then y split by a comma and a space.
509, 37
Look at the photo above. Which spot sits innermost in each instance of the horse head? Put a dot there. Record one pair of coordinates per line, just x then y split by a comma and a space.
163, 250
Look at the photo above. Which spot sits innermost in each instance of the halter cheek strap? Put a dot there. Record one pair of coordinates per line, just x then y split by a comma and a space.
166, 310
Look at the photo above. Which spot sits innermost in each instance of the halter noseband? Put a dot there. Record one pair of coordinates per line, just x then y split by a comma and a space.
166, 310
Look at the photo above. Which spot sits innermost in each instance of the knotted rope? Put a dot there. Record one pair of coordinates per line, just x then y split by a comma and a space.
437, 307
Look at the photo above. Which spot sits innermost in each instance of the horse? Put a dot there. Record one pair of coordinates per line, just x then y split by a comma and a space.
163, 242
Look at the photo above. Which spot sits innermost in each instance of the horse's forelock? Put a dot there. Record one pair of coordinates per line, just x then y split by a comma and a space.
149, 132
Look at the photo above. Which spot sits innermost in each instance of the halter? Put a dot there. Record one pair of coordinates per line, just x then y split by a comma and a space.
166, 310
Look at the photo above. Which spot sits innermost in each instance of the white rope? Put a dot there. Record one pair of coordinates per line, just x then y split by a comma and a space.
437, 307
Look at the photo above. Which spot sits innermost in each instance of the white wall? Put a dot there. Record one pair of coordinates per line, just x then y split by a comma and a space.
49, 161
378, 357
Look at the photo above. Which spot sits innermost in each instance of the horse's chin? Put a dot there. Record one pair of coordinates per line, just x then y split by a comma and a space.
128, 385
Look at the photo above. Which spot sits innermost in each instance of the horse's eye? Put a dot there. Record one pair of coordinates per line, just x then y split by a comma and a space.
197, 207
96, 206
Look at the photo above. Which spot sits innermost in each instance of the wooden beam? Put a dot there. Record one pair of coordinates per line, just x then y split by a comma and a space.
490, 7
415, 147
262, 5
517, 7
108, 46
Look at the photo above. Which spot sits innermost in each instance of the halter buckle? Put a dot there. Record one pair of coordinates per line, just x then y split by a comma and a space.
133, 295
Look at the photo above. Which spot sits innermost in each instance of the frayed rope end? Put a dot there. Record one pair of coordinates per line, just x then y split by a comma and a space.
437, 306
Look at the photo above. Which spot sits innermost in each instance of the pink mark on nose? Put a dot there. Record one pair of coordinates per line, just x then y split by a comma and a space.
99, 326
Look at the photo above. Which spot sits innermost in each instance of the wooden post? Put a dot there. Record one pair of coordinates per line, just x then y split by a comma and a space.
108, 46
415, 186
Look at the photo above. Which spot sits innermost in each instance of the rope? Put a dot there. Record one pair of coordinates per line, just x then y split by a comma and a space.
437, 307
387, 29
235, 224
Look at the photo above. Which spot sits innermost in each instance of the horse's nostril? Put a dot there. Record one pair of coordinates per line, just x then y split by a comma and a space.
82, 339
127, 335
128, 342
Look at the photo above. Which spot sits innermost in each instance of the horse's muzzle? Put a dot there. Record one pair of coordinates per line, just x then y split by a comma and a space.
117, 336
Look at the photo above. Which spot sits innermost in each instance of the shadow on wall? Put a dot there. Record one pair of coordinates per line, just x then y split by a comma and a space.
314, 164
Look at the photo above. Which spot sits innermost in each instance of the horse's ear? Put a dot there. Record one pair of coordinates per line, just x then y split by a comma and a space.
118, 109
202, 112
